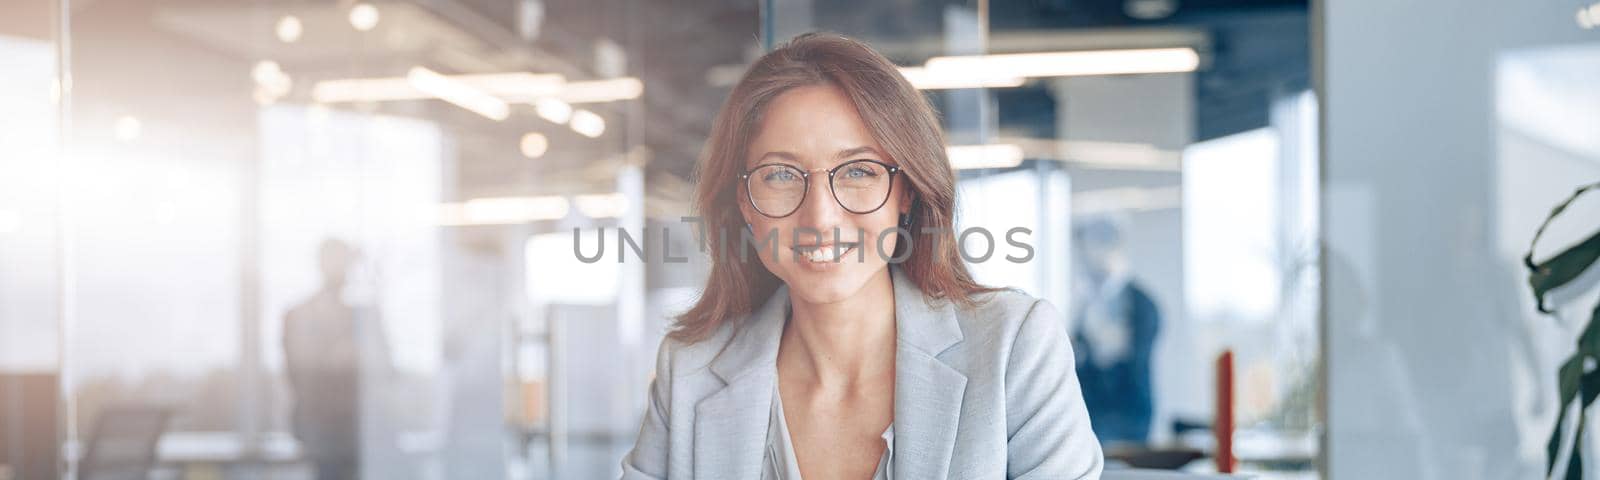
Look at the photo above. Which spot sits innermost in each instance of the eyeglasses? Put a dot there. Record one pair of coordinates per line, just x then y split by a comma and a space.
860, 186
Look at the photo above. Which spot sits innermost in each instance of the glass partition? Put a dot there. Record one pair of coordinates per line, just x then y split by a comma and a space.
332, 239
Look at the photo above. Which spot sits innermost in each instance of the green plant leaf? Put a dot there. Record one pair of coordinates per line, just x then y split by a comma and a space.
1575, 461
1573, 380
1565, 266
1570, 375
1591, 379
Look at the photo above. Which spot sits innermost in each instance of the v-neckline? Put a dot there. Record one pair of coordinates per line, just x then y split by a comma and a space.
780, 445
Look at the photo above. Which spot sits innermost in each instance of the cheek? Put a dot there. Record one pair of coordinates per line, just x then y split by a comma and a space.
761, 228
878, 233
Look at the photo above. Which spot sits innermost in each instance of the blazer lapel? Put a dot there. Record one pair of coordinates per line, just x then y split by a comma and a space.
928, 393
730, 427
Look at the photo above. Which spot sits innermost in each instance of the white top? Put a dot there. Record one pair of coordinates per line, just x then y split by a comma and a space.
780, 463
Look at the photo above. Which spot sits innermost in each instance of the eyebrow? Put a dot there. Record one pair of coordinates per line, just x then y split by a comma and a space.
783, 155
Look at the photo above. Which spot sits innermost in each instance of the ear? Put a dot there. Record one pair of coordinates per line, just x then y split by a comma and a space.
908, 198
746, 211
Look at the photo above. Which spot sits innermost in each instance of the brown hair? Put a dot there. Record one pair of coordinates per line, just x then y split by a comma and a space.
902, 122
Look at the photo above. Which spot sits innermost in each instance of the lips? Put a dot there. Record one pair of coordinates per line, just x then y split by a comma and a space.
827, 252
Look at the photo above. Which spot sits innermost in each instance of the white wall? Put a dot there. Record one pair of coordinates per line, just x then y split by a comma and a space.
1436, 367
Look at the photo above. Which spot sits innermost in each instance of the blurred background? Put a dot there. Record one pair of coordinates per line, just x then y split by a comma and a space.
299, 239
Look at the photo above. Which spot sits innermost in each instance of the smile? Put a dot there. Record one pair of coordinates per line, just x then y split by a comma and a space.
825, 253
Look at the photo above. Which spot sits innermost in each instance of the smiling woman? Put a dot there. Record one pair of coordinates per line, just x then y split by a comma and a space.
826, 359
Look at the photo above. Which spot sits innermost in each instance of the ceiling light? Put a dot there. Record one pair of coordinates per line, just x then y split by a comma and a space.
923, 79
363, 16
289, 29
1067, 64
516, 86
555, 111
365, 90
534, 144
264, 71
511, 87
605, 205
462, 95
1149, 9
271, 82
503, 210
587, 123
597, 91
997, 155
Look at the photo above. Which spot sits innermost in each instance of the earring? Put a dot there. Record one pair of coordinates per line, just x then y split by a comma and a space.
905, 220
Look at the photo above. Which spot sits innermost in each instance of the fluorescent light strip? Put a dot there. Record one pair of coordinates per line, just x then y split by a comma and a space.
510, 85
587, 123
552, 110
603, 205
997, 155
503, 210
1070, 64
462, 95
365, 90
592, 91
515, 87
924, 79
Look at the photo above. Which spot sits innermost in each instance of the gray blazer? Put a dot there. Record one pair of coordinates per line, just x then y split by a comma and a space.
988, 392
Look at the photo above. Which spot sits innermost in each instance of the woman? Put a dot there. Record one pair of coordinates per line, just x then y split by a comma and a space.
858, 346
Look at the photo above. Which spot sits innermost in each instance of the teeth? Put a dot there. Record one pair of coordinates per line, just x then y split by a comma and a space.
821, 254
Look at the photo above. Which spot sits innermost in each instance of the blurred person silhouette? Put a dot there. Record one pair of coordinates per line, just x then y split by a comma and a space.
1114, 331
332, 350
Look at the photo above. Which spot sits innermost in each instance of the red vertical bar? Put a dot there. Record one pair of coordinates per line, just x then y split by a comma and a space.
1223, 427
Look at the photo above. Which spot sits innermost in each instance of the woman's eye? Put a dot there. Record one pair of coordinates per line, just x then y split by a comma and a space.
781, 176
859, 172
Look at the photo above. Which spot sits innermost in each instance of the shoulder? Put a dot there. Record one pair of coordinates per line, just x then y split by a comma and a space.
1003, 315
678, 357
1007, 303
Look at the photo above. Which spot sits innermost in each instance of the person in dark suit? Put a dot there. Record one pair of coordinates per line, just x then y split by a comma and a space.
1114, 330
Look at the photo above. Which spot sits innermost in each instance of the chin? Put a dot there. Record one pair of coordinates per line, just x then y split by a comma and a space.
830, 286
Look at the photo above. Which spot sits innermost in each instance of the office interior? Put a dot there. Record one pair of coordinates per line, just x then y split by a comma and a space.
1288, 233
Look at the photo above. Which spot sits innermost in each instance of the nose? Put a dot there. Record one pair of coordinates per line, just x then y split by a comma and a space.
819, 210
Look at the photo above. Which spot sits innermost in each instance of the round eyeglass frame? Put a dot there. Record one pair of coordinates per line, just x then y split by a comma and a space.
744, 178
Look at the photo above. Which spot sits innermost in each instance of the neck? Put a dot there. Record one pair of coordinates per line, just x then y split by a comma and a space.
843, 343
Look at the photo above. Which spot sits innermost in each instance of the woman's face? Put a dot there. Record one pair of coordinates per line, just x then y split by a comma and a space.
814, 129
